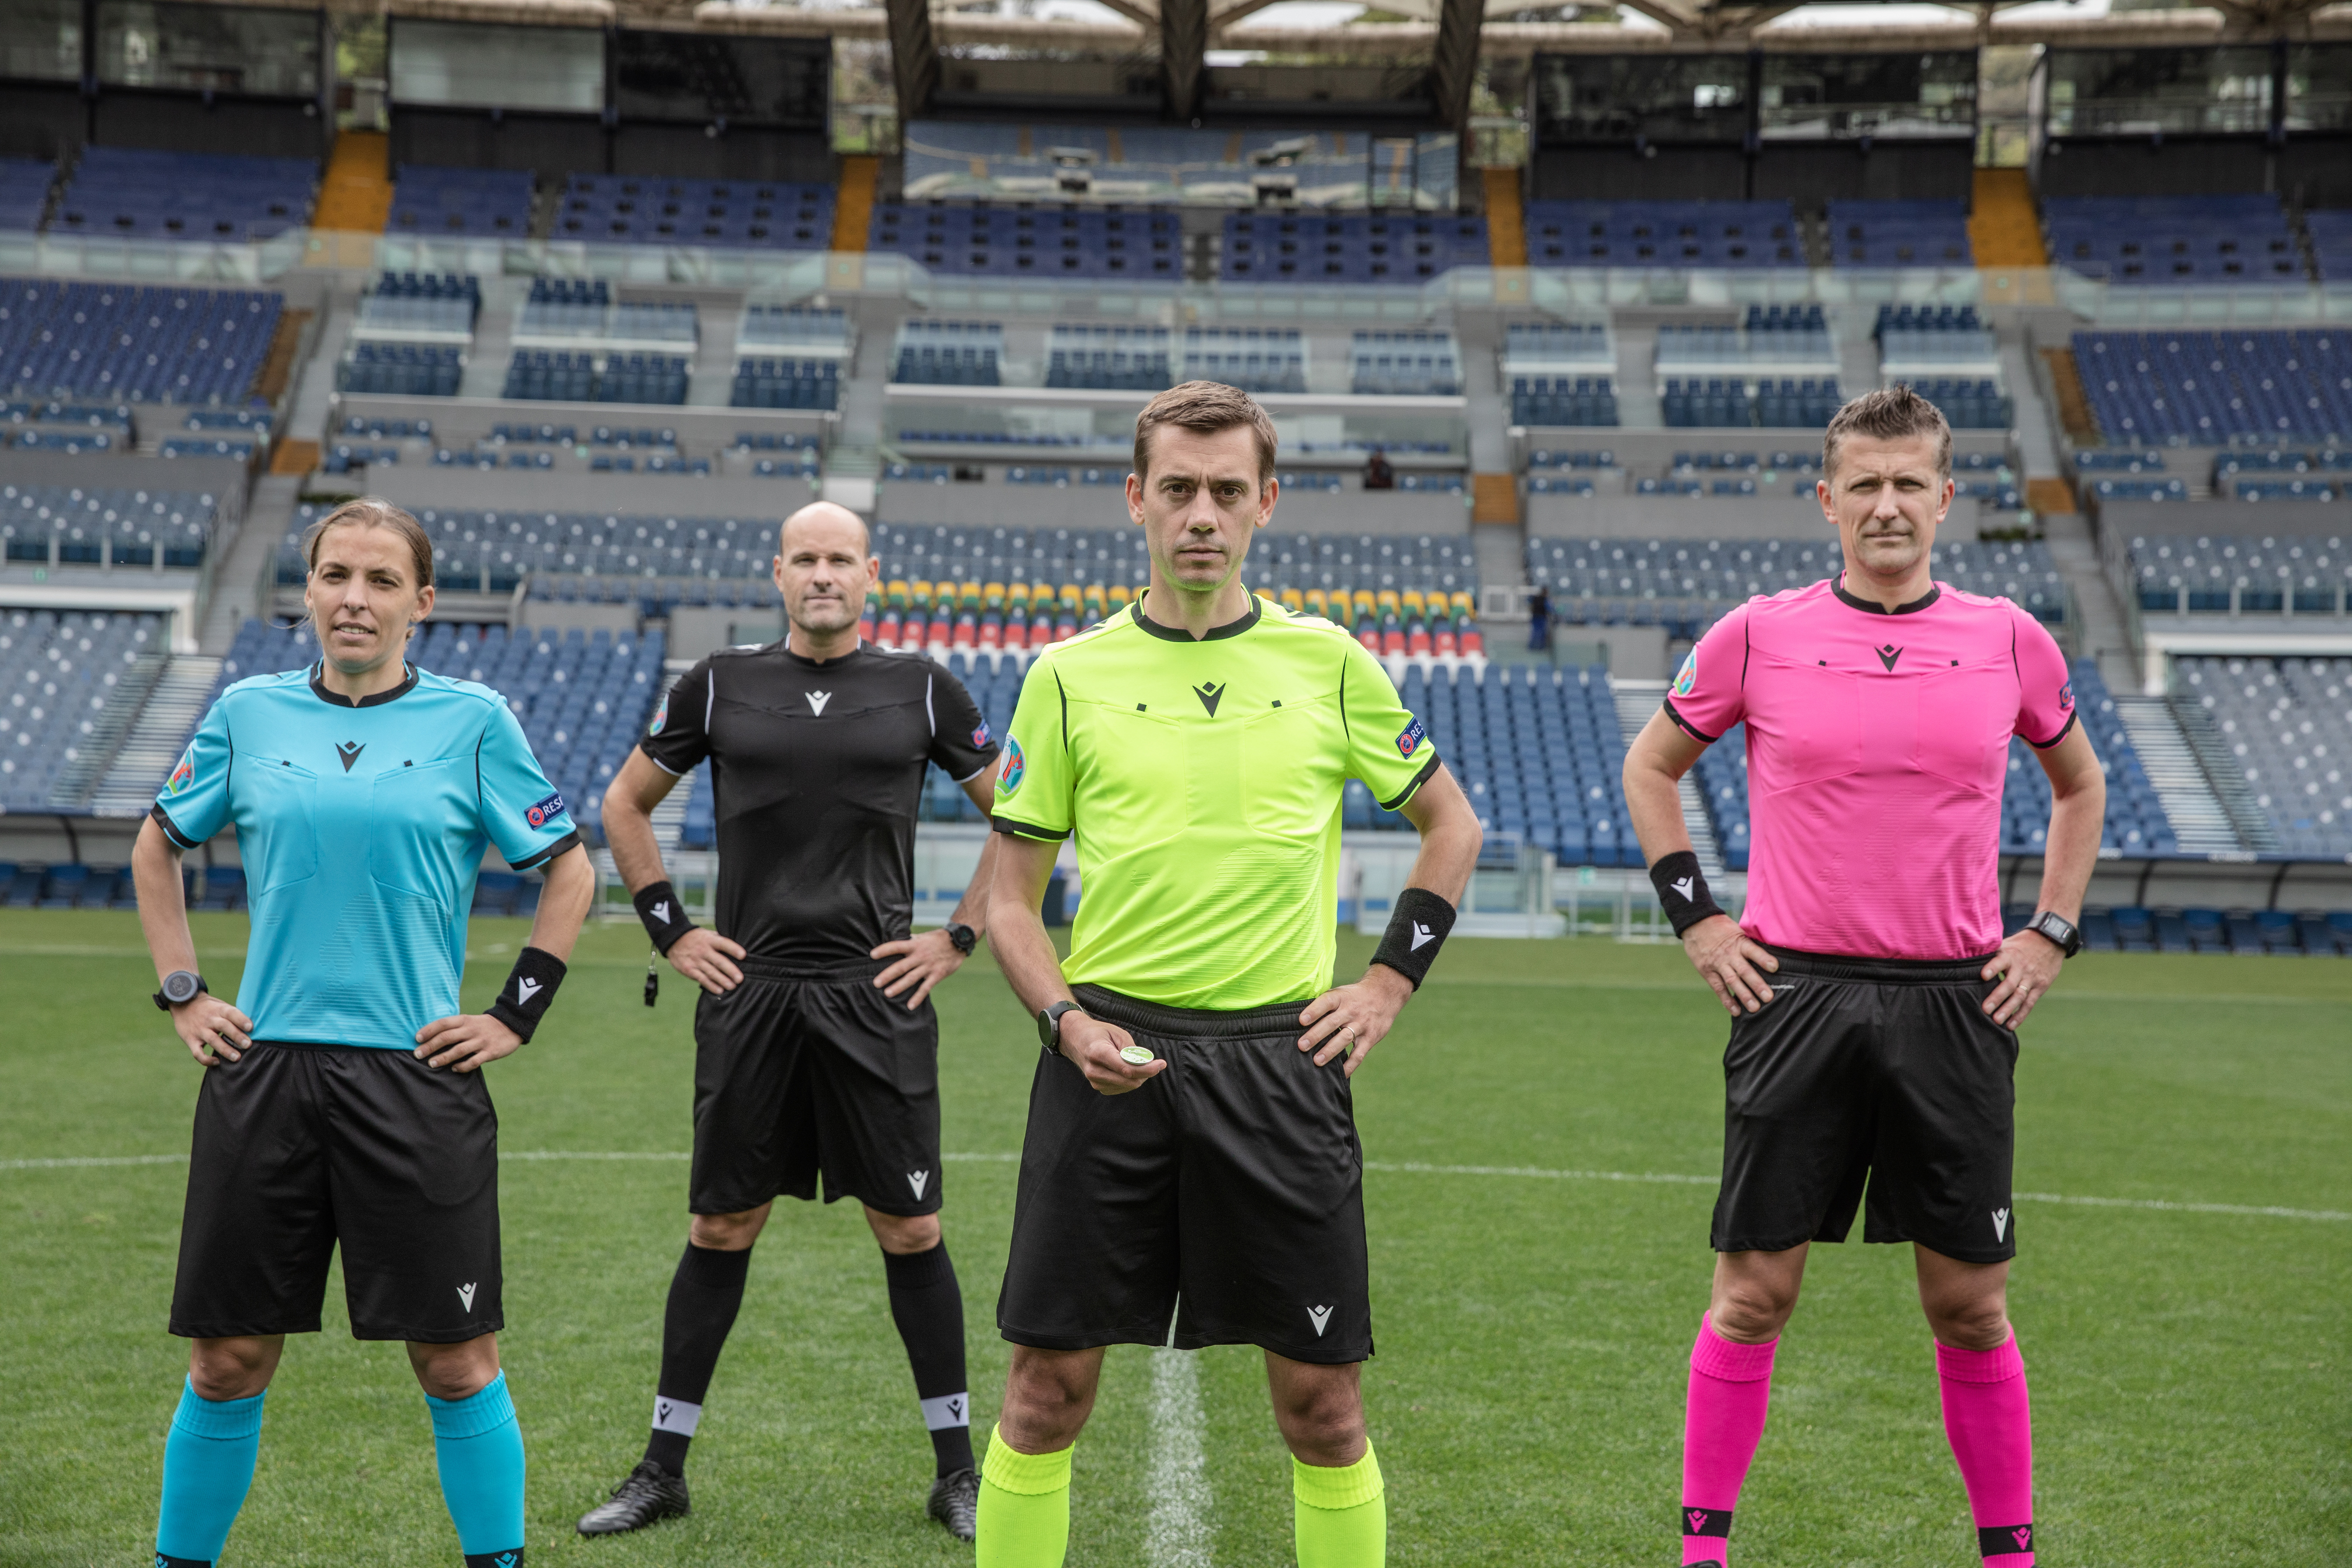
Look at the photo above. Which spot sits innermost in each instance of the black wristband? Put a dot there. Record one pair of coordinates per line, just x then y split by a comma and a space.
1681, 888
523, 999
1417, 928
665, 916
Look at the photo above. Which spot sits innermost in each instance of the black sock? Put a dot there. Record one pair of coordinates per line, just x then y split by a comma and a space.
704, 1297
928, 1307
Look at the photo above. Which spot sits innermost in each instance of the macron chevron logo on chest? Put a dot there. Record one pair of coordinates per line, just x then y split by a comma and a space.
1887, 656
817, 700
350, 751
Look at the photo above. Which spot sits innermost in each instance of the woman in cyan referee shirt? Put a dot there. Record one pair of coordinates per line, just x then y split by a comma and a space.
342, 1102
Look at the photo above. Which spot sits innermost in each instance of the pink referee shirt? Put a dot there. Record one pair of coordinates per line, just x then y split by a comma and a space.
1877, 747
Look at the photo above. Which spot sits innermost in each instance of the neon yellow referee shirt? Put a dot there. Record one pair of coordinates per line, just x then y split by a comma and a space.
1203, 780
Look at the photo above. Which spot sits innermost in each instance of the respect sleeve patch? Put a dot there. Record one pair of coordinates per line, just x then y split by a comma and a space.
1411, 737
546, 811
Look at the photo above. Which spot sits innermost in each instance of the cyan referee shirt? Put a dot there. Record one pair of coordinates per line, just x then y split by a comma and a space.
361, 825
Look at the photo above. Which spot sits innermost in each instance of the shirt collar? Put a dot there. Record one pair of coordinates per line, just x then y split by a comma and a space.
376, 699
1178, 633
1873, 607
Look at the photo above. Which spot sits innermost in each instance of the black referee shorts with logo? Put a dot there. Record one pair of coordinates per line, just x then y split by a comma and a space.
797, 1074
1225, 1194
302, 1148
1878, 1072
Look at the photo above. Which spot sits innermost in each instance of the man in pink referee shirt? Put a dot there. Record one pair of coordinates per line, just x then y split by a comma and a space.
1872, 1000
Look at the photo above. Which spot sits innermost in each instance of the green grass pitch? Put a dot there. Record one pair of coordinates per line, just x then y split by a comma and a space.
2189, 1368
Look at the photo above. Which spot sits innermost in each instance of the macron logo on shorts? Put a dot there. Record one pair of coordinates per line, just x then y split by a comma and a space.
466, 1297
1320, 1316
918, 1180
2001, 1225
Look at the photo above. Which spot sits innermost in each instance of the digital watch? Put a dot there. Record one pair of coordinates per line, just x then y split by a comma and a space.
180, 987
2058, 928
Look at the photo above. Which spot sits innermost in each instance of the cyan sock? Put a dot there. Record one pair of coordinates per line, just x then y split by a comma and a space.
478, 1446
207, 1469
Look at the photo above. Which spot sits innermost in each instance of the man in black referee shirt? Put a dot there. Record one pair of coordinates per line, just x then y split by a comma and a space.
816, 1046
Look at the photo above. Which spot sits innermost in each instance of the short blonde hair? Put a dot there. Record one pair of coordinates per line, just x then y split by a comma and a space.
1204, 407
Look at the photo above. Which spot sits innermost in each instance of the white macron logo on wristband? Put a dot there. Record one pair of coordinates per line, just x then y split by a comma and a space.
661, 912
1681, 885
1421, 936
526, 989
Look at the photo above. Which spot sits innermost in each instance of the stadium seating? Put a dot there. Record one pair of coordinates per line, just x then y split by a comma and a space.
625, 209
2214, 388
583, 698
1110, 359
1910, 233
144, 345
2174, 239
539, 374
2286, 722
1253, 358
1664, 234
2303, 575
57, 669
1688, 585
1404, 364
2331, 244
949, 354
432, 302
414, 370
1728, 403
1317, 248
1539, 753
1563, 400
88, 526
25, 191
1056, 242
432, 201
134, 193
765, 381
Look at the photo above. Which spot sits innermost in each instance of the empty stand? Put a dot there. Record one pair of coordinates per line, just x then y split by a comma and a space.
1730, 234
135, 194
1110, 359
428, 200
1316, 247
61, 525
2174, 239
2331, 244
58, 671
2287, 723
2299, 574
1899, 234
622, 209
1076, 242
1255, 359
1404, 364
949, 354
25, 191
144, 345
2214, 388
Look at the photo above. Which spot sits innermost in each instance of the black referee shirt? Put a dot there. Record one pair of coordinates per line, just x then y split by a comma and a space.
818, 770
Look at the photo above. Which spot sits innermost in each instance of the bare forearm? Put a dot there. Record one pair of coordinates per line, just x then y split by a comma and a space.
563, 903
629, 834
1653, 801
162, 900
1024, 953
1449, 853
2073, 848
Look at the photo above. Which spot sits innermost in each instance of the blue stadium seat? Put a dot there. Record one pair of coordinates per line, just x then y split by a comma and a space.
135, 194
1664, 234
121, 342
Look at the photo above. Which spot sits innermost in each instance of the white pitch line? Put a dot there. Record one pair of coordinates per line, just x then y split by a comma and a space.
1177, 1532
1383, 1168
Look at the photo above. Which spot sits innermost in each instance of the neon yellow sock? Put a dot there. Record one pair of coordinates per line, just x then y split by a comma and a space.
1025, 1507
1342, 1515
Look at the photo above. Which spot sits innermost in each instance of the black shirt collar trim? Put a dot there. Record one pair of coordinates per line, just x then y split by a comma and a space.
1178, 633
1871, 606
375, 699
784, 647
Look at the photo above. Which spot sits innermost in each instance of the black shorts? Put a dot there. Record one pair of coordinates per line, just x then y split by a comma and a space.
300, 1147
1228, 1191
1870, 1068
796, 1074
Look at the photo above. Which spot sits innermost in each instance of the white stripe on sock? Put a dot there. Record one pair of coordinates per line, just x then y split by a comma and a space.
947, 1410
1177, 1534
676, 1415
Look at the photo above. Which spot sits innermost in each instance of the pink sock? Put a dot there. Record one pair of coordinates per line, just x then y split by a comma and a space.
1990, 1425
1730, 1383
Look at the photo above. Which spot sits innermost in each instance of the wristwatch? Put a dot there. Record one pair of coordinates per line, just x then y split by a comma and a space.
964, 936
2050, 924
1049, 1025
179, 986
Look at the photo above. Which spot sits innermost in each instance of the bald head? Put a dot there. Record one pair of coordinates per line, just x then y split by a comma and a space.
824, 568
824, 520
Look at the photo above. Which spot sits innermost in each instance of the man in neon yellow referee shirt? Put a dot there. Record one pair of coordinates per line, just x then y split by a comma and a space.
1191, 1161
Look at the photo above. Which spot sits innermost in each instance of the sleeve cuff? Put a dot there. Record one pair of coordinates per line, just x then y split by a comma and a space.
987, 762
674, 772
1428, 771
1685, 726
1029, 830
2063, 731
533, 862
170, 830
